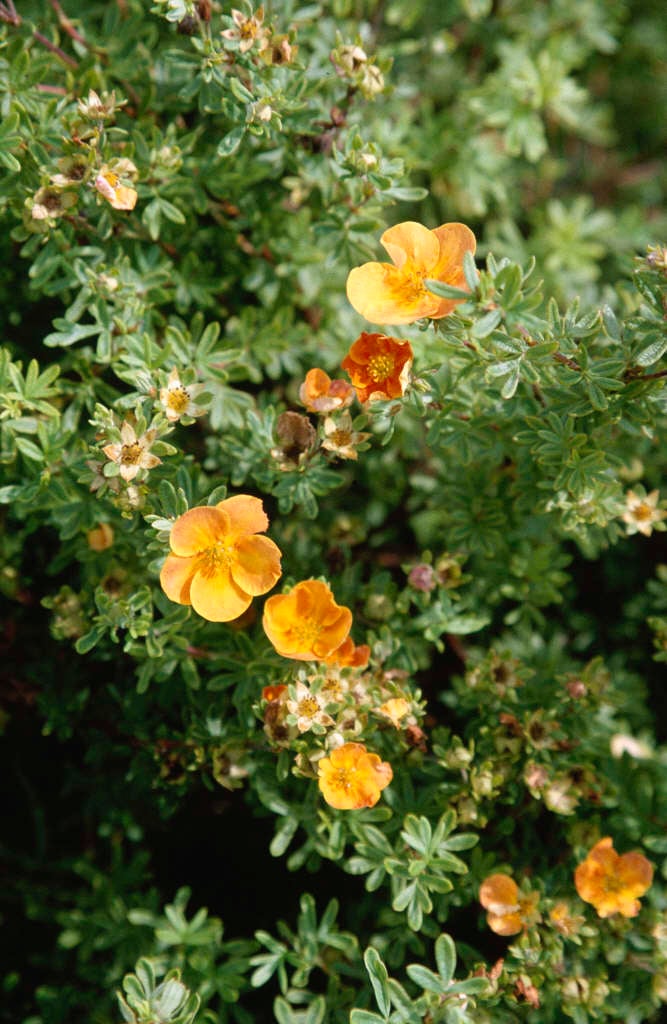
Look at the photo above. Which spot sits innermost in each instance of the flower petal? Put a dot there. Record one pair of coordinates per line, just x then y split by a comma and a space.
256, 565
414, 242
499, 894
374, 290
176, 577
198, 529
246, 514
217, 598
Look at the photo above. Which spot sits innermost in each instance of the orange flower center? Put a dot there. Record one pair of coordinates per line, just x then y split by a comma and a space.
212, 560
248, 29
307, 707
379, 368
341, 438
178, 399
642, 512
308, 632
411, 286
342, 778
130, 454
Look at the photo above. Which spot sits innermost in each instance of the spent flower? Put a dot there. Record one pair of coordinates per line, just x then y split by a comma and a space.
508, 910
320, 394
340, 437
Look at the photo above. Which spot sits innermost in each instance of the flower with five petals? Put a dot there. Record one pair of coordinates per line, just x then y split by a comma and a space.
396, 293
218, 562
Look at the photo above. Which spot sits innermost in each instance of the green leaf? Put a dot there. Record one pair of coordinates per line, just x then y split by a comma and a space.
425, 978
377, 972
446, 291
231, 142
651, 353
445, 957
487, 323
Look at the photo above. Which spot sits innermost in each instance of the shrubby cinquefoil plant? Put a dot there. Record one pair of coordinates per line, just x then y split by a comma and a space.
335, 583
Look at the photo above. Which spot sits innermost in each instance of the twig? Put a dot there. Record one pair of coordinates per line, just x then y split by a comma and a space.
64, 57
54, 90
67, 25
653, 376
9, 13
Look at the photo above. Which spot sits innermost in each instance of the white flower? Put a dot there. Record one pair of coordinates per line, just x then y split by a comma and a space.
642, 512
178, 399
308, 709
132, 453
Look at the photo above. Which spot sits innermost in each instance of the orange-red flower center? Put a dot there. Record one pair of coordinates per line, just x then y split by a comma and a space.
380, 367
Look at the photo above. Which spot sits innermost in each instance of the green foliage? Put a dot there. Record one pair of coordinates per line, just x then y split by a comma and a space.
184, 188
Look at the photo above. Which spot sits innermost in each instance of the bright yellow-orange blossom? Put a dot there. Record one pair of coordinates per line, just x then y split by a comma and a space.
306, 624
386, 293
218, 563
612, 882
352, 778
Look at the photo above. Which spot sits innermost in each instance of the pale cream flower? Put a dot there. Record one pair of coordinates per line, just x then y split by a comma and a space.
178, 399
341, 438
132, 453
642, 512
249, 30
308, 709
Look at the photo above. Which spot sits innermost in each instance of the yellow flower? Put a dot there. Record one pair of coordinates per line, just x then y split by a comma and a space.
132, 453
218, 563
306, 624
642, 512
379, 366
352, 778
508, 911
395, 710
177, 399
397, 294
611, 882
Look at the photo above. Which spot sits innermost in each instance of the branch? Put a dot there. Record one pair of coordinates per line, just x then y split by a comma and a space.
64, 57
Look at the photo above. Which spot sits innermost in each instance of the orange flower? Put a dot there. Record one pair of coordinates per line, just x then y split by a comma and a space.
348, 655
351, 778
611, 882
508, 912
379, 366
274, 692
218, 563
306, 624
387, 294
319, 393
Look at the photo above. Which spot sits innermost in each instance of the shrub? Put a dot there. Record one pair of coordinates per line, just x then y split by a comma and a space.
354, 637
